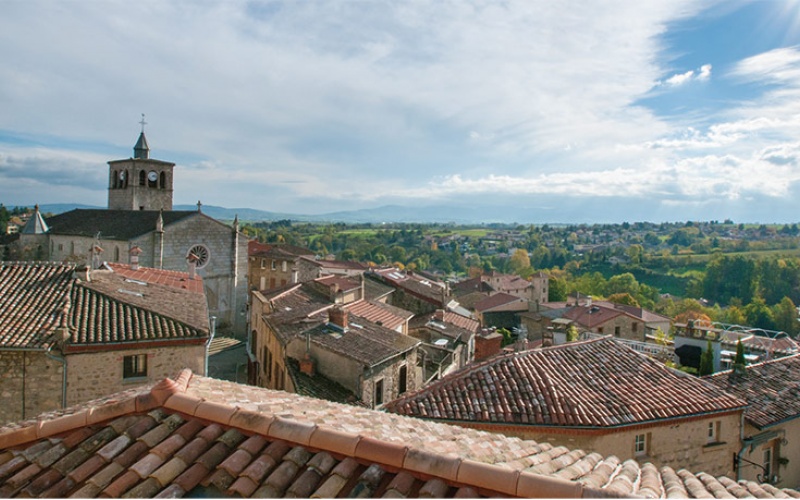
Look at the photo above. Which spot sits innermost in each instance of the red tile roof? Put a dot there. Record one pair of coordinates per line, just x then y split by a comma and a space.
597, 383
770, 388
38, 298
174, 279
389, 316
501, 301
200, 436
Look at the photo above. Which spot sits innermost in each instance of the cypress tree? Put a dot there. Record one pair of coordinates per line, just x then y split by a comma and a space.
707, 361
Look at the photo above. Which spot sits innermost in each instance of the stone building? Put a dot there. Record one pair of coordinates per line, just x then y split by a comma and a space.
273, 266
597, 395
303, 335
68, 334
140, 215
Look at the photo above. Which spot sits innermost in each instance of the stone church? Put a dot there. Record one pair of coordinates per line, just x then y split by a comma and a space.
140, 220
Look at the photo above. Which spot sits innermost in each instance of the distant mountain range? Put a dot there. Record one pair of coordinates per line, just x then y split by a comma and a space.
388, 214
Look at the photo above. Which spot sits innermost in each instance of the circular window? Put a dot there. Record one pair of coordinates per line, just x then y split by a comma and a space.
201, 253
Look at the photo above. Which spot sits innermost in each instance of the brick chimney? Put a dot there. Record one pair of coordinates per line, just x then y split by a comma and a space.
134, 253
83, 272
438, 315
338, 316
307, 365
487, 344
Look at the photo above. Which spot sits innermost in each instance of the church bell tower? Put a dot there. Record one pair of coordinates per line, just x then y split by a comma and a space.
139, 182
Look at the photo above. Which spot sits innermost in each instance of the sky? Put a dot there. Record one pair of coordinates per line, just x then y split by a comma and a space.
560, 112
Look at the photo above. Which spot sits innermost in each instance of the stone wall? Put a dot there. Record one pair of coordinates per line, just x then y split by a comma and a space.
92, 375
626, 329
30, 384
225, 274
785, 450
677, 444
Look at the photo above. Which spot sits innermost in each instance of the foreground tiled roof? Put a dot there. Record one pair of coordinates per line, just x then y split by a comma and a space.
771, 388
113, 224
197, 436
597, 383
36, 299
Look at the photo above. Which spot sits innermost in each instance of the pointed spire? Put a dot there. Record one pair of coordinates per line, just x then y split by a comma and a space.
236, 222
199, 206
36, 224
141, 150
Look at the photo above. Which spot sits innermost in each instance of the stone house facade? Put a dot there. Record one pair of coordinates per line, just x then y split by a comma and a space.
68, 334
306, 325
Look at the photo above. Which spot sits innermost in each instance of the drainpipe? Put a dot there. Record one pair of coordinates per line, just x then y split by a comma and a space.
208, 344
63, 362
744, 447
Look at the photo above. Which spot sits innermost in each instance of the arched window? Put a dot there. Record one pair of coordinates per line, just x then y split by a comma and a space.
114, 179
116, 254
163, 183
142, 177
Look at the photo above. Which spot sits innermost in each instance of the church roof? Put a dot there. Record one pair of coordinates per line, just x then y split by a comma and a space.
141, 150
112, 224
36, 224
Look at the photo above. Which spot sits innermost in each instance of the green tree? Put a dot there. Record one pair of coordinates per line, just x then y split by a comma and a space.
557, 290
519, 261
623, 298
707, 361
785, 316
740, 360
758, 314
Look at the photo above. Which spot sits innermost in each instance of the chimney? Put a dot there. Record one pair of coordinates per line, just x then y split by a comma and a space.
96, 251
338, 317
134, 252
192, 260
307, 365
83, 272
438, 315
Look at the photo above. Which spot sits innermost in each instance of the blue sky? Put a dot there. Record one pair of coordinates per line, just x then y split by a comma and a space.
591, 112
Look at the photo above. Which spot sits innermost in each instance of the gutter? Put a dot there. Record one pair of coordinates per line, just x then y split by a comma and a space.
208, 344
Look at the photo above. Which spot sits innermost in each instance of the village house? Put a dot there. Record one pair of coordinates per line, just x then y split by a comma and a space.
197, 437
273, 266
535, 290
597, 395
413, 292
500, 310
307, 333
448, 342
770, 446
70, 334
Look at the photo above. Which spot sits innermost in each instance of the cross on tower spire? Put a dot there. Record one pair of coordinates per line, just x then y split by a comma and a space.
143, 123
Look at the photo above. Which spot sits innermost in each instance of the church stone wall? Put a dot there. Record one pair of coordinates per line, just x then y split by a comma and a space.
93, 375
30, 384
225, 274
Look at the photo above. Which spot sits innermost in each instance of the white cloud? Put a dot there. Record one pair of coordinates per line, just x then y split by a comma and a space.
701, 74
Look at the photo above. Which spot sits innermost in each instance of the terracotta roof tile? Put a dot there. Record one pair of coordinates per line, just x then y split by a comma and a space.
358, 452
568, 385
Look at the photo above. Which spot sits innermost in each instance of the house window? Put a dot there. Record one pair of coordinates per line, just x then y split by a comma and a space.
767, 463
640, 444
274, 266
600, 330
283, 266
402, 384
263, 263
616, 331
713, 432
378, 392
134, 366
262, 282
272, 282
635, 327
60, 247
